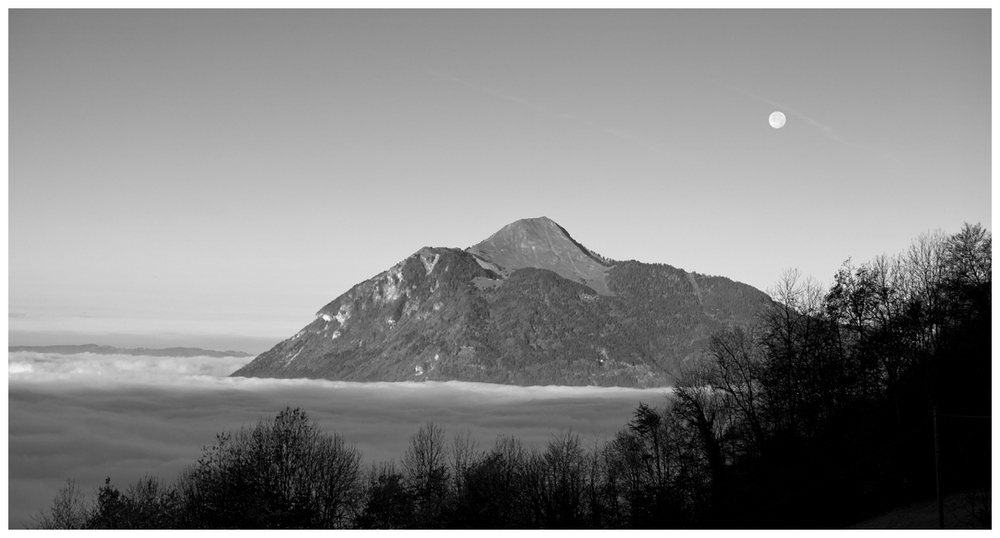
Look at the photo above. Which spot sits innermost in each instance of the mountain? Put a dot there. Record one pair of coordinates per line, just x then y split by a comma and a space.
111, 350
542, 244
527, 306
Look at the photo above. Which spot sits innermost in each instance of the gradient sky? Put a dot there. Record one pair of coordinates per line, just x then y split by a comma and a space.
206, 173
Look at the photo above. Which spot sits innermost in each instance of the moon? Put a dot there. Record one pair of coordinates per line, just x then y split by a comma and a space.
777, 119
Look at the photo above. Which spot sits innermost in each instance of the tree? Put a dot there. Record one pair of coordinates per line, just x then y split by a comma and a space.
738, 370
555, 483
68, 510
706, 412
464, 452
494, 494
646, 425
426, 471
968, 257
388, 503
645, 475
146, 504
803, 364
282, 473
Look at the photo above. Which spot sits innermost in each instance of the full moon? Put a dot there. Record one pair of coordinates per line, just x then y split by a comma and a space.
777, 119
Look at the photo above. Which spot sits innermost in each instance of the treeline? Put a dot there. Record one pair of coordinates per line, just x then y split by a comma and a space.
824, 411
285, 473
832, 407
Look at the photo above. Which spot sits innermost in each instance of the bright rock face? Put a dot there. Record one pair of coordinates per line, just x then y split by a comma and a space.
542, 244
527, 306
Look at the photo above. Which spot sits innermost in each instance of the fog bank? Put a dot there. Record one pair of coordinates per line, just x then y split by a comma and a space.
90, 416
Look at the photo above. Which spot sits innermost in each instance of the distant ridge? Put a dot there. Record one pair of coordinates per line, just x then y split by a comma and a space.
111, 350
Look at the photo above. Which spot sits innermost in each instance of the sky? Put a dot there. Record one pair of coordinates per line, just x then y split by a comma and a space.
213, 178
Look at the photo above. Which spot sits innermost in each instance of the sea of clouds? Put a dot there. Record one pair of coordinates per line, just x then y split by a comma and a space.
89, 416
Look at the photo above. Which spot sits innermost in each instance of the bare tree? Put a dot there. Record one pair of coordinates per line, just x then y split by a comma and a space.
738, 370
282, 473
707, 412
496, 489
557, 485
426, 470
68, 510
388, 503
464, 452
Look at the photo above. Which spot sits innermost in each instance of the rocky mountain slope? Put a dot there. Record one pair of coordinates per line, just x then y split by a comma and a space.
527, 306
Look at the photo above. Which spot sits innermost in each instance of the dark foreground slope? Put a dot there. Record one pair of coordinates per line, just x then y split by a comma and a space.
527, 306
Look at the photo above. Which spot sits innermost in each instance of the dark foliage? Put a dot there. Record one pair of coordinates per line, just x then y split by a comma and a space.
146, 504
821, 413
389, 503
282, 473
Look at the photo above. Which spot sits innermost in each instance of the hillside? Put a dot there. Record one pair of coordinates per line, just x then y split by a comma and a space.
527, 306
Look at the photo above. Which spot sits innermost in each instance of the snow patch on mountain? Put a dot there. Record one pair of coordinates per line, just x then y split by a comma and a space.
428, 261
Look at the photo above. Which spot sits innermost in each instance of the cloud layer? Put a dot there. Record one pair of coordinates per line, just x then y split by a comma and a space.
48, 367
90, 416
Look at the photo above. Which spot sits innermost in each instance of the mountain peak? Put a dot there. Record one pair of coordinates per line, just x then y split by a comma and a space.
533, 223
541, 243
526, 306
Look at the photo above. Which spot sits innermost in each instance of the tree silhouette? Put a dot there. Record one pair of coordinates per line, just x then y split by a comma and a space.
68, 510
282, 473
426, 469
